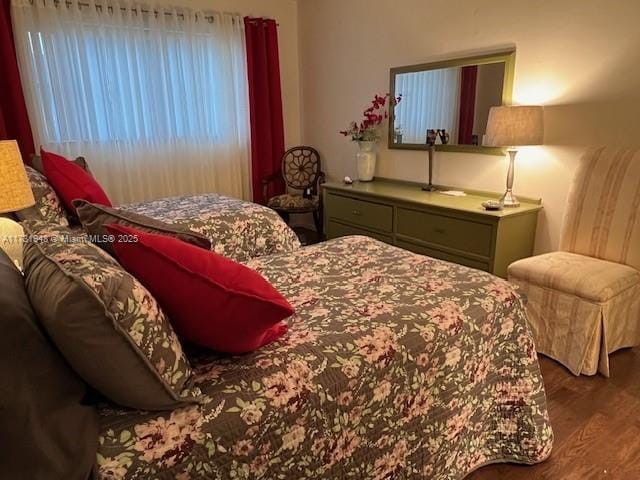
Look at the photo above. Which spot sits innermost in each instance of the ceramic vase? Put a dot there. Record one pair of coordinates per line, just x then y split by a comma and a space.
366, 161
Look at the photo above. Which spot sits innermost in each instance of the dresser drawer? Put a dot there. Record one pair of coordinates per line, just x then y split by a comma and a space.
360, 212
429, 252
337, 229
456, 233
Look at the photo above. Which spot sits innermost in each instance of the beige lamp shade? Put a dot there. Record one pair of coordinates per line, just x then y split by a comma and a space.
15, 190
513, 126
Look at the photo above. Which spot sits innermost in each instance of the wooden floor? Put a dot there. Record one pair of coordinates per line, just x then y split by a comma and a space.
596, 423
307, 236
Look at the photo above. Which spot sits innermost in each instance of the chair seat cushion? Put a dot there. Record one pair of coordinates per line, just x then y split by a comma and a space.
585, 277
293, 202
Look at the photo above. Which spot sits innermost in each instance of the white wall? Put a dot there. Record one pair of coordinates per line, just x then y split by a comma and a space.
581, 58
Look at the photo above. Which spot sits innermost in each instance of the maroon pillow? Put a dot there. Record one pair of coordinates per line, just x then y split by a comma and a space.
71, 182
210, 300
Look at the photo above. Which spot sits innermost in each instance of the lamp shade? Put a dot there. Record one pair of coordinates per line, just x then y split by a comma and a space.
15, 190
515, 126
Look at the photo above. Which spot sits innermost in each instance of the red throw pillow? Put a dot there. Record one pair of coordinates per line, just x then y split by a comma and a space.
210, 300
70, 181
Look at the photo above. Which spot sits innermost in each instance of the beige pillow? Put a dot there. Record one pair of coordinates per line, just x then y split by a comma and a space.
106, 324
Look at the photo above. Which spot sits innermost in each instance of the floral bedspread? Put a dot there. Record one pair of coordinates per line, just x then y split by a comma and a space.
237, 229
396, 365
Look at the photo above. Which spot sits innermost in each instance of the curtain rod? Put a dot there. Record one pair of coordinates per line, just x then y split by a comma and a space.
209, 18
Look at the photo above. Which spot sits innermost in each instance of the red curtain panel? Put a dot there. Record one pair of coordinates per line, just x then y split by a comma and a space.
265, 102
467, 104
14, 121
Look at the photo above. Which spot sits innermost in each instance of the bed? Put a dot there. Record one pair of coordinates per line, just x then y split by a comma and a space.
396, 365
236, 228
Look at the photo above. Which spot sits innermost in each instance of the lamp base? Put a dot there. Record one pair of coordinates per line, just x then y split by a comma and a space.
509, 200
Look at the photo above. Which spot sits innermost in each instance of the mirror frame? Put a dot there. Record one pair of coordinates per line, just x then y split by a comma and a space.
506, 56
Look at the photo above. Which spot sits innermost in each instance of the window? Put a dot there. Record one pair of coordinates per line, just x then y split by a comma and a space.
120, 84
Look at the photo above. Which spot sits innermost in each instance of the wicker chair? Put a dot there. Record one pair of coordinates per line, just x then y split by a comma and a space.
303, 176
584, 301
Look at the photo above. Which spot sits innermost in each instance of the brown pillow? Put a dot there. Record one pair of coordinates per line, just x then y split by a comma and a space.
94, 217
106, 324
47, 432
48, 207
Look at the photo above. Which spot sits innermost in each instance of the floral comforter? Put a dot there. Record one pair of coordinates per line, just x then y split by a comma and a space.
237, 229
396, 365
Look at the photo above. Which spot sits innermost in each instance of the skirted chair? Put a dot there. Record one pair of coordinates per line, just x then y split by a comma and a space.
303, 176
584, 301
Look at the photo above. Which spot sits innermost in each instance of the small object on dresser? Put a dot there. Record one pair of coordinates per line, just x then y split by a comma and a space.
444, 136
492, 205
397, 133
367, 133
453, 193
348, 180
432, 136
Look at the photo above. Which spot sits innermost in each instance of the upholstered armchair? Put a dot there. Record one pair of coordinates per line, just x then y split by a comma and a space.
303, 176
584, 301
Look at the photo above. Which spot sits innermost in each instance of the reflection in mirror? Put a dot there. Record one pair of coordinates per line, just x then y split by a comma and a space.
451, 98
430, 101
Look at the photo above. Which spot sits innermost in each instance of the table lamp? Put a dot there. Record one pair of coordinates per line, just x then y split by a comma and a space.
514, 126
15, 194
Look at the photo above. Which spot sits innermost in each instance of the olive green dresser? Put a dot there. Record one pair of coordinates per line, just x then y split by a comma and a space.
456, 229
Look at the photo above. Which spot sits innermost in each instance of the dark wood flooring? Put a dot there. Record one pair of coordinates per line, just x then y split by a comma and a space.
307, 236
596, 423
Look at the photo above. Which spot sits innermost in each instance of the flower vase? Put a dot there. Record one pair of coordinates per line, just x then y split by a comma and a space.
366, 161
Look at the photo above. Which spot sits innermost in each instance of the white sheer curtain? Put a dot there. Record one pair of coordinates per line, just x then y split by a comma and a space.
430, 100
156, 101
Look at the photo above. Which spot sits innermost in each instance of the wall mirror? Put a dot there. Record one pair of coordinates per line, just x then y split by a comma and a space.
448, 102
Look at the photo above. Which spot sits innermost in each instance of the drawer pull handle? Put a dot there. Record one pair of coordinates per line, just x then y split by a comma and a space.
439, 230
357, 212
